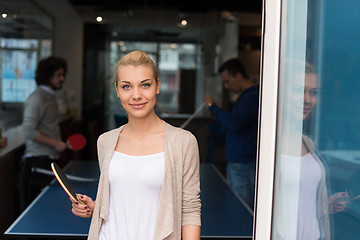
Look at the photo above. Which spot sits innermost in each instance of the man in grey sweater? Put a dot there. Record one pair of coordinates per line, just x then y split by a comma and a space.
41, 122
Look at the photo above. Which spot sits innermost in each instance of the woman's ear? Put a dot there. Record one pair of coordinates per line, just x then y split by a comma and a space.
158, 84
116, 89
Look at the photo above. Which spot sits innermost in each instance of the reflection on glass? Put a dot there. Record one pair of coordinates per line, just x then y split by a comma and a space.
317, 174
302, 203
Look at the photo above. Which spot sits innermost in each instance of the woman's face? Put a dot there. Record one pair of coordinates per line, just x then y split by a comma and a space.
136, 88
310, 94
303, 97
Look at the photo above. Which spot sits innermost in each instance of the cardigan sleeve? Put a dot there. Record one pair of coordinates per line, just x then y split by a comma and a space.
191, 203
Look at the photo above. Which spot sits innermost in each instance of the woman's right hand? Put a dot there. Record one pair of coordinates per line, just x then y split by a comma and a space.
338, 202
84, 209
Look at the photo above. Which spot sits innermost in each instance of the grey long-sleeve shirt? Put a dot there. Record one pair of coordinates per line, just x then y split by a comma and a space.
41, 114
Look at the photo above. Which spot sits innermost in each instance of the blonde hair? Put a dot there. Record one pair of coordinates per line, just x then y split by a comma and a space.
136, 58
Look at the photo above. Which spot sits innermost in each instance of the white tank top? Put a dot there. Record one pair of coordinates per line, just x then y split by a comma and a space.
297, 206
135, 184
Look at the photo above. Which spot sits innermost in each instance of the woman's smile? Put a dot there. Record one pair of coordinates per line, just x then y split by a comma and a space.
137, 105
307, 110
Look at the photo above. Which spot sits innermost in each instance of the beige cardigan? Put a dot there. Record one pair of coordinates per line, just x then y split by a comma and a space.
179, 202
322, 194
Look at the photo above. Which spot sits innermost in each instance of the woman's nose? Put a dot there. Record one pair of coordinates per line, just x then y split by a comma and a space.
307, 98
136, 94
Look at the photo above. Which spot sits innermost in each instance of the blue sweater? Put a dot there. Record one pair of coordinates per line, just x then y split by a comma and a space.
241, 126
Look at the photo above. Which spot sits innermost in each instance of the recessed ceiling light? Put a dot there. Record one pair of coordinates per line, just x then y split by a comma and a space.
99, 19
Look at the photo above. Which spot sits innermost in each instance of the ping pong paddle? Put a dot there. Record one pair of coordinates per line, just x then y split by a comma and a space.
76, 142
64, 182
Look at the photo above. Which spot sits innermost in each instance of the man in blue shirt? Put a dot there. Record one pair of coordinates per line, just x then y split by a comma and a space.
241, 126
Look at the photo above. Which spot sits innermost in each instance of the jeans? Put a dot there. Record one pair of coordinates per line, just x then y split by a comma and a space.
241, 178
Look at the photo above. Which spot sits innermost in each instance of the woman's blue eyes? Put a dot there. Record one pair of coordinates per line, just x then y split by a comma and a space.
127, 87
300, 90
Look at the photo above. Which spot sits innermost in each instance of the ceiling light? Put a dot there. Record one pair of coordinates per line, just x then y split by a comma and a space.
184, 22
99, 19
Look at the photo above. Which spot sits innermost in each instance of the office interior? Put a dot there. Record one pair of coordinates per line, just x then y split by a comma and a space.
187, 41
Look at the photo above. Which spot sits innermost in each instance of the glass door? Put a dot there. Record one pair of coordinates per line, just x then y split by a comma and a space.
308, 181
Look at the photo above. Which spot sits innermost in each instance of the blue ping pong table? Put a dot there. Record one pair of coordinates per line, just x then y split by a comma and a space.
224, 215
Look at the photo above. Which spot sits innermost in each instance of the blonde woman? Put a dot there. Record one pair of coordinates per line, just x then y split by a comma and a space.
149, 184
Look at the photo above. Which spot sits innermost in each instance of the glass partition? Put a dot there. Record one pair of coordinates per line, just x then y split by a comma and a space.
18, 65
316, 161
25, 38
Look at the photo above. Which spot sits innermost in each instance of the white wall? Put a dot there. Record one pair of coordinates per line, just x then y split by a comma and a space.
68, 44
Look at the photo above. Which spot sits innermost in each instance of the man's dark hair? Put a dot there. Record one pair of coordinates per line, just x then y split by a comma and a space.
233, 66
46, 68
